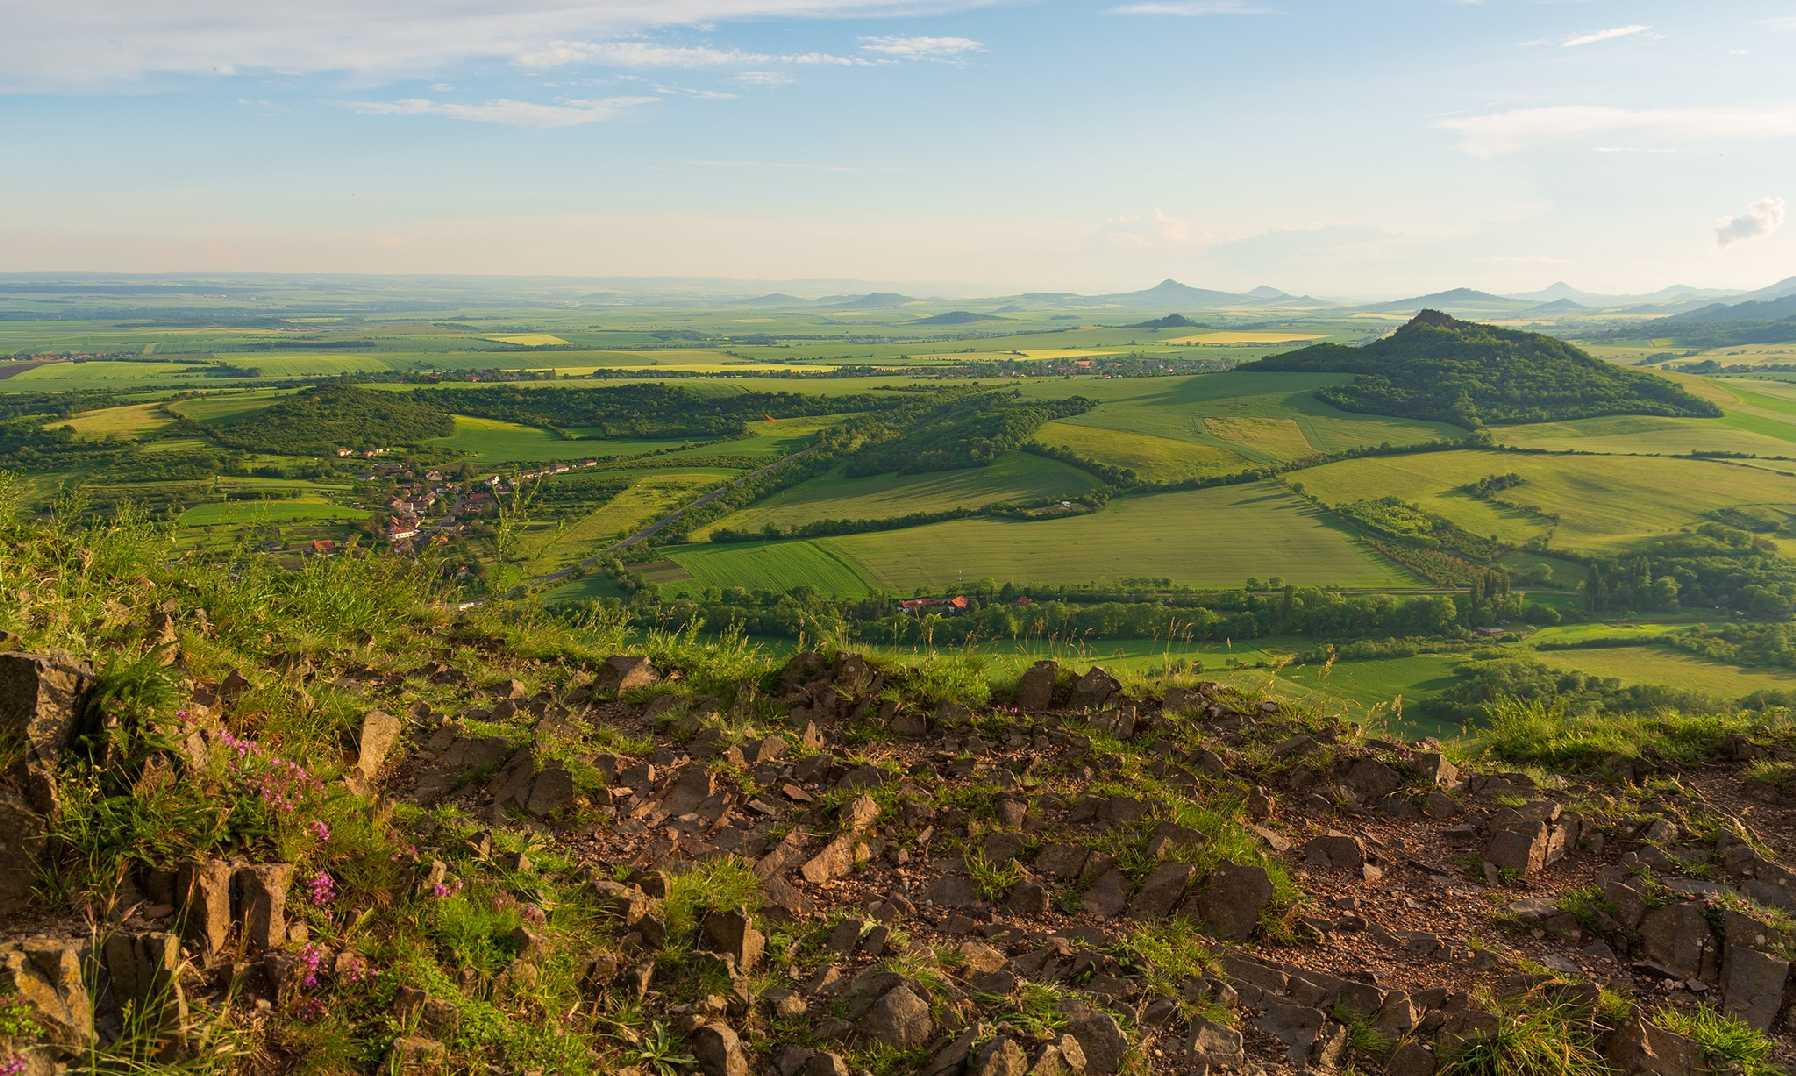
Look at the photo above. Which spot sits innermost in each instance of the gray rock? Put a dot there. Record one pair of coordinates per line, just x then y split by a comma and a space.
41, 699
203, 893
1678, 939
1161, 890
1640, 1048
1035, 691
718, 1051
733, 934
262, 900
1335, 851
1095, 688
1309, 1035
1232, 899
1753, 985
1211, 1047
22, 835
621, 674
999, 1057
899, 1019
1106, 1047
380, 732
44, 975
1108, 895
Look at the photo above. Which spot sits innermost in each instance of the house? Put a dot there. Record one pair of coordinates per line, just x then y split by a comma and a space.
345, 452
323, 547
949, 606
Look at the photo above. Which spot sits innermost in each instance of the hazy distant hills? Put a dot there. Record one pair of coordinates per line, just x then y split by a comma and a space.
958, 317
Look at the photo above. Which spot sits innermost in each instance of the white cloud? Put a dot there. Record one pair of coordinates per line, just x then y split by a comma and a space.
1191, 8
764, 78
93, 42
1155, 230
635, 54
1611, 34
571, 113
921, 48
1760, 219
1498, 133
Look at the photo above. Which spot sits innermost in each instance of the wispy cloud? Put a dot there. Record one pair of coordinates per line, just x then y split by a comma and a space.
1191, 8
569, 113
764, 78
392, 38
1578, 41
1498, 133
1760, 219
921, 48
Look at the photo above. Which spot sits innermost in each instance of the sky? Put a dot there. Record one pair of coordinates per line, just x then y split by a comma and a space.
1343, 148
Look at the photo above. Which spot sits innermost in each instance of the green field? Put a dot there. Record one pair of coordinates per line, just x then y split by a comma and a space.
1166, 429
126, 422
550, 548
1212, 537
491, 441
221, 513
1602, 503
217, 407
84, 376
1016, 477
1670, 668
770, 566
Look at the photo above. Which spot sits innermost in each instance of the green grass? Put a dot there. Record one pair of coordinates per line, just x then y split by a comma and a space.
771, 566
1017, 477
127, 422
551, 547
491, 441
117, 376
1213, 537
222, 513
1671, 668
222, 406
1604, 503
766, 439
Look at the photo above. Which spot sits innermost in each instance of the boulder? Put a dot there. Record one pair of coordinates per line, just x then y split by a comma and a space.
1313, 1040
733, 934
1095, 688
1101, 1038
718, 1051
1232, 899
1640, 1048
620, 674
417, 1053
41, 702
1335, 851
899, 1019
1677, 939
1211, 1048
44, 974
203, 893
261, 892
1753, 985
999, 1057
21, 847
1035, 691
380, 732
1161, 891
144, 969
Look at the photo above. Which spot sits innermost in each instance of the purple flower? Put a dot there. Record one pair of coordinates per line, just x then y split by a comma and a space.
320, 830
13, 1065
324, 888
313, 959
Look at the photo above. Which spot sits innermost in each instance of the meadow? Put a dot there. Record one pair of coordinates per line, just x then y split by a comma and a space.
1586, 504
1658, 665
1209, 538
252, 512
1016, 477
127, 422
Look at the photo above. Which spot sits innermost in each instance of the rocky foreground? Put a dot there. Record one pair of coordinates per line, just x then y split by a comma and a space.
493, 858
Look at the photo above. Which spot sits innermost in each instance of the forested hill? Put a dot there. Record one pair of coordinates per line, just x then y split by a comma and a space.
1438, 367
323, 419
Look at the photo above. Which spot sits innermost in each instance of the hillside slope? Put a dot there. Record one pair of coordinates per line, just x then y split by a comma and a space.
1438, 367
269, 821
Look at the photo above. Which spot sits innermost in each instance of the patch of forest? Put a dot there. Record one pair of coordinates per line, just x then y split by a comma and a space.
967, 431
323, 419
643, 410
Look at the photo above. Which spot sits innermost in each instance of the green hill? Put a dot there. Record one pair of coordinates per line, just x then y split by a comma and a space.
1438, 367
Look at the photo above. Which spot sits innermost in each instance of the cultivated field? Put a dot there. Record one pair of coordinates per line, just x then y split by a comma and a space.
1017, 477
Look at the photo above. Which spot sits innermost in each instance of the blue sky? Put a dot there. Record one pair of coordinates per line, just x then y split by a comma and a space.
1368, 148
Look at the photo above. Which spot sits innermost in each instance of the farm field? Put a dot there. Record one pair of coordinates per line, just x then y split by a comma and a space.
297, 509
1215, 537
768, 566
529, 339
553, 547
492, 441
1246, 337
126, 422
217, 407
1600, 503
1658, 665
115, 376
1015, 477
1234, 421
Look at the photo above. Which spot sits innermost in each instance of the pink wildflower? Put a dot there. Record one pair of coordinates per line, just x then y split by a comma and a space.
324, 888
313, 959
320, 830
13, 1065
